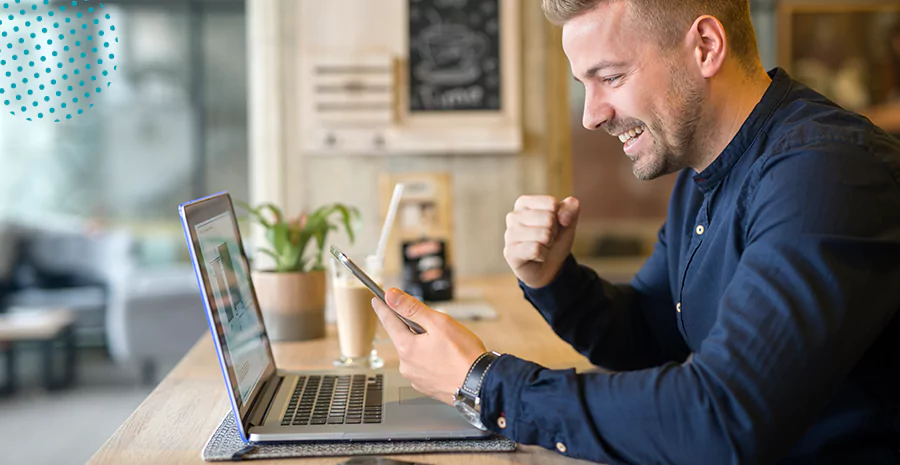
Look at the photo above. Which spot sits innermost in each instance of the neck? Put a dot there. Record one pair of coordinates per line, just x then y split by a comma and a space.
733, 94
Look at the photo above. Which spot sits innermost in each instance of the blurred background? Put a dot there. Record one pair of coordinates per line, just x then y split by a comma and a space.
263, 98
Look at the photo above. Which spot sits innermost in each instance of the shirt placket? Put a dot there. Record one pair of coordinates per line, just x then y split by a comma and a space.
700, 226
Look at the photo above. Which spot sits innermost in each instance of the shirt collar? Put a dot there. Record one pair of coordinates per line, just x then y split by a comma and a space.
759, 118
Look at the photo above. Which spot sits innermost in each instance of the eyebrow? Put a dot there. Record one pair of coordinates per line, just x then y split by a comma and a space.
593, 70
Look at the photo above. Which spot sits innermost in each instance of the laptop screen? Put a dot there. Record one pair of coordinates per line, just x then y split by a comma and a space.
237, 318
223, 274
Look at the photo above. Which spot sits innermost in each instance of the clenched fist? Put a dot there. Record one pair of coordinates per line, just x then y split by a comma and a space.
539, 235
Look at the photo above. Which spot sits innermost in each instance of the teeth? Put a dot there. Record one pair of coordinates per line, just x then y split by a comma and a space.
630, 134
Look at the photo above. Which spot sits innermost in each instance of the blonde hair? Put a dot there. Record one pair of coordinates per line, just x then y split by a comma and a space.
669, 20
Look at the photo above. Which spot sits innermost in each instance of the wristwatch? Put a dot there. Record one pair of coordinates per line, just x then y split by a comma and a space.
467, 398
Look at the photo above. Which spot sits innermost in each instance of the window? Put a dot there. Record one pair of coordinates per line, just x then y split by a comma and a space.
172, 127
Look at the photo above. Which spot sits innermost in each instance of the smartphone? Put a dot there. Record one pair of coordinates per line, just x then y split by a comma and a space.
368, 282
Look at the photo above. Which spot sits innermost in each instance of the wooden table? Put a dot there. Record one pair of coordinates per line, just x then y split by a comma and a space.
173, 424
46, 328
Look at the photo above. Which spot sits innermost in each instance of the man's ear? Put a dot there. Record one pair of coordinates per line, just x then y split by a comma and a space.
709, 43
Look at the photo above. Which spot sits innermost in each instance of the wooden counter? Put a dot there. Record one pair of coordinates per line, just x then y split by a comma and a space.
172, 425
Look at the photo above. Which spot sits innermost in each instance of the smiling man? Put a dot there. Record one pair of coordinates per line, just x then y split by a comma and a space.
763, 327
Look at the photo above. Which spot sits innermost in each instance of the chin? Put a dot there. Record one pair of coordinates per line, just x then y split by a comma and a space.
653, 165
646, 170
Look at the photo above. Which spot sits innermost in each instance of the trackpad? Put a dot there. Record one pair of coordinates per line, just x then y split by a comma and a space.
409, 396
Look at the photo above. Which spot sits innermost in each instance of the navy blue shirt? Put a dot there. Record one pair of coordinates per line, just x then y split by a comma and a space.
762, 329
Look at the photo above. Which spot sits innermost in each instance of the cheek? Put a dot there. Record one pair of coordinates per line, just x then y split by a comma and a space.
636, 100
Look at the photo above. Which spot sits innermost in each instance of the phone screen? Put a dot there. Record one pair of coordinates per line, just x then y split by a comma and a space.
373, 286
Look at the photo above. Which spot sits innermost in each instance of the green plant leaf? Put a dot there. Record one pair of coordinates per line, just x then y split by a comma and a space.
349, 215
289, 243
276, 212
318, 227
292, 258
269, 253
301, 247
256, 213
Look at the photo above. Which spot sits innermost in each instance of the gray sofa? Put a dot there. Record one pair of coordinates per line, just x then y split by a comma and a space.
145, 317
159, 319
64, 267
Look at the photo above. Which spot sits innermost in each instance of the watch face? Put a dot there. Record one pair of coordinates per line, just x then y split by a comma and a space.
469, 413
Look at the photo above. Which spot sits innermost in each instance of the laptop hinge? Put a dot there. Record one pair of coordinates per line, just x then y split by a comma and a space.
264, 401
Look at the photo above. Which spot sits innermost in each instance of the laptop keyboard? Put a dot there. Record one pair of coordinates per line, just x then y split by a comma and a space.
335, 400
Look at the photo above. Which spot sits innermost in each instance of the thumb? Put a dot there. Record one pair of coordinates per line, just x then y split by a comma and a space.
406, 305
567, 214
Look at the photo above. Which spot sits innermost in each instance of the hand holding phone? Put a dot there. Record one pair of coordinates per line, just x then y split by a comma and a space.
369, 283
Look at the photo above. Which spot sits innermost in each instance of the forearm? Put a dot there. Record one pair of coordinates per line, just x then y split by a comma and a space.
602, 321
659, 415
782, 346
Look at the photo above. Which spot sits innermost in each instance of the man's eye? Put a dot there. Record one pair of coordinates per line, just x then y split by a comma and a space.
611, 79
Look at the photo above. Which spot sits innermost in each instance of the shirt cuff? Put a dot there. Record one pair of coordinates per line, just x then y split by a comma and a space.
560, 293
501, 392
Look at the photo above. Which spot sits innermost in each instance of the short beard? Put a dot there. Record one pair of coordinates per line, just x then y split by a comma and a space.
667, 158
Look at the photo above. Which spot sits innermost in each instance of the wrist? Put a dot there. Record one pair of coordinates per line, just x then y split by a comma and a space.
467, 398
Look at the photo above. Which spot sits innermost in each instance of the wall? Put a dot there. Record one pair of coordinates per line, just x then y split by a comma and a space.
283, 33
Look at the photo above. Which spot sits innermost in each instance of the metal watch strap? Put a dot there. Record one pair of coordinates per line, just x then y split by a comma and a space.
472, 385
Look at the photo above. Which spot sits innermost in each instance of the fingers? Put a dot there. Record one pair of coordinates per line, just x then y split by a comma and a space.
407, 305
533, 218
395, 328
568, 211
536, 202
526, 252
543, 236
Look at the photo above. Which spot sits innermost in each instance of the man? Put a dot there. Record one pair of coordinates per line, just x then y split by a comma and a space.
762, 329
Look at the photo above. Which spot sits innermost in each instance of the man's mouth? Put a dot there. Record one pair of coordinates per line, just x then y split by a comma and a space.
631, 136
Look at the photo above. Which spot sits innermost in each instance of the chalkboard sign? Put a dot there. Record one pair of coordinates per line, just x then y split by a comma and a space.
454, 55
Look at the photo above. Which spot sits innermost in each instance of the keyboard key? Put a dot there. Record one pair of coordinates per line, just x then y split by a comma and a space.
373, 397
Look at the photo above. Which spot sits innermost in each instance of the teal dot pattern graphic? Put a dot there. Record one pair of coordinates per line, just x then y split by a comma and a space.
56, 59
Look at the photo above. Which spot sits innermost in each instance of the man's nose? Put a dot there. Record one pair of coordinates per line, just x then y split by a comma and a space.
596, 115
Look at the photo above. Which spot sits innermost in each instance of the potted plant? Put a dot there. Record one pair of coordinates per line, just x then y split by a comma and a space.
291, 294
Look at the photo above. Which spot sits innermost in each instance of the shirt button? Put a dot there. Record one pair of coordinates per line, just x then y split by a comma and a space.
678, 307
561, 447
501, 422
700, 229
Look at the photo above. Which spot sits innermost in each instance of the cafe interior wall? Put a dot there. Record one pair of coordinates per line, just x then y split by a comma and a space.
484, 185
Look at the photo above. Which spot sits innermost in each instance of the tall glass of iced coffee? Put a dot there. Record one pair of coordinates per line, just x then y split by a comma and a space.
356, 320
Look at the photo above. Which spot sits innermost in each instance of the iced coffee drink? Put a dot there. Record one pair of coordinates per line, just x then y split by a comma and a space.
356, 320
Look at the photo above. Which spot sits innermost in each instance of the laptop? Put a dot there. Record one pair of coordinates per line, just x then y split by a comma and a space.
275, 405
